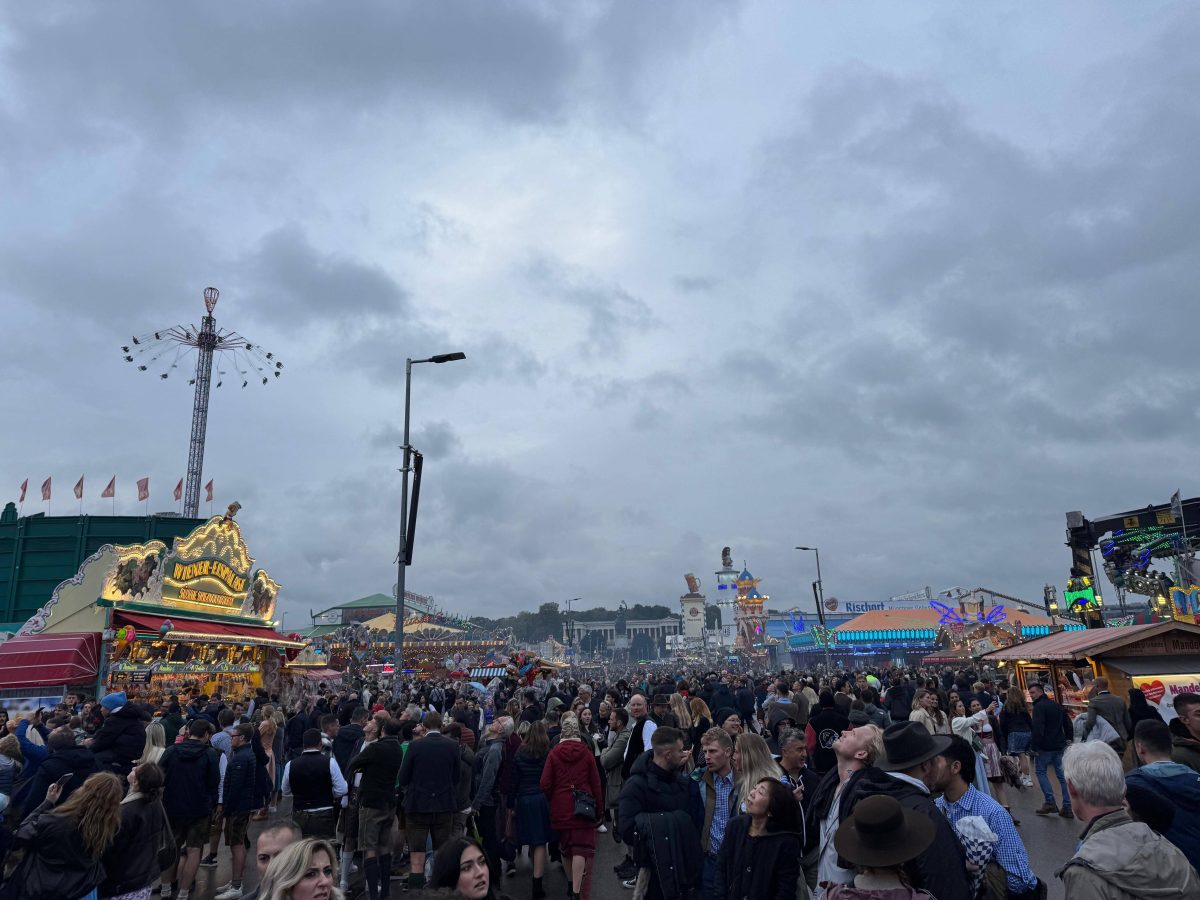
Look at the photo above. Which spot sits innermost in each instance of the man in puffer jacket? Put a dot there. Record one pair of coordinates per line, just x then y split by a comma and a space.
1174, 782
1117, 858
237, 800
66, 758
122, 737
654, 819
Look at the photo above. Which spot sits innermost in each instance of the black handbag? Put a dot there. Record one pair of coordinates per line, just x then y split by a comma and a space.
585, 805
168, 850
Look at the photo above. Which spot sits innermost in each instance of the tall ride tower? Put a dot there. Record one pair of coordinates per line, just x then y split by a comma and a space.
162, 352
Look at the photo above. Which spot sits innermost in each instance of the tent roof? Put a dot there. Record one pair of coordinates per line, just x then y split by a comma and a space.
371, 601
1068, 646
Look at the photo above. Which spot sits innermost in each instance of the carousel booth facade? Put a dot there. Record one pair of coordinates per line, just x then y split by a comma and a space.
145, 617
1162, 659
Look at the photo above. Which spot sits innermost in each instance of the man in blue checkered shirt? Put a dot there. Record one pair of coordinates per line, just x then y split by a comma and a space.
960, 798
714, 802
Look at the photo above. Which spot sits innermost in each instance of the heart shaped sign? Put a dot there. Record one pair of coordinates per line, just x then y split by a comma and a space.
1154, 691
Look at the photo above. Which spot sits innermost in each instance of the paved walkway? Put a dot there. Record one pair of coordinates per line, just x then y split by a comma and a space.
1050, 841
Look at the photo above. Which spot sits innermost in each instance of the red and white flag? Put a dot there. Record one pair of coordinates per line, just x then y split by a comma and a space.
24, 488
208, 488
111, 490
46, 489
179, 490
143, 488
79, 488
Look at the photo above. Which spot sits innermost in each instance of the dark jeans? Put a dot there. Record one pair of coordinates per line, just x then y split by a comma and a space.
708, 883
1046, 759
486, 820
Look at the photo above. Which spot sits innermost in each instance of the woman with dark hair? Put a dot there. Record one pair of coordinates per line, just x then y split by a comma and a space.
1139, 710
701, 722
533, 809
131, 863
461, 865
172, 722
1016, 727
760, 856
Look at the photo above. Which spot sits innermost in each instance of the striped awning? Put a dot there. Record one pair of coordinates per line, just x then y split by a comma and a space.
488, 672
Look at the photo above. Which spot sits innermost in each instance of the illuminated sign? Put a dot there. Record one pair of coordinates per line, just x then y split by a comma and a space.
1079, 592
209, 570
162, 667
205, 568
993, 616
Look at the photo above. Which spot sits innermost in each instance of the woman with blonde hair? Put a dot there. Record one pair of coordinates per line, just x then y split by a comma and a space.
701, 719
925, 709
64, 846
751, 763
682, 714
156, 743
307, 870
11, 763
571, 766
267, 730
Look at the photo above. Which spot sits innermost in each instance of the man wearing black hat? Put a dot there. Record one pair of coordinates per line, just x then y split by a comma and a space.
729, 720
881, 836
662, 714
913, 768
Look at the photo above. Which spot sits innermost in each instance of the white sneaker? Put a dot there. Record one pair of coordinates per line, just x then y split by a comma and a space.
228, 892
165, 892
603, 829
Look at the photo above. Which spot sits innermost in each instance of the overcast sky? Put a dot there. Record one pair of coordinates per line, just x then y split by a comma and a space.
904, 281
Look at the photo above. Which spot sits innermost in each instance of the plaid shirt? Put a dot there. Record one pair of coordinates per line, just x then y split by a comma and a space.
722, 788
1010, 852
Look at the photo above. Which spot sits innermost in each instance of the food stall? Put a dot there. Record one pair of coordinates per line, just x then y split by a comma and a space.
1160, 658
197, 615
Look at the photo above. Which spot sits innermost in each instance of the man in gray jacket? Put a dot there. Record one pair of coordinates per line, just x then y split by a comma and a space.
1113, 709
487, 791
1117, 858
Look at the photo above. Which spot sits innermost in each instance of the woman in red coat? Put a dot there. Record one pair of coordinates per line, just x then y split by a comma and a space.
571, 766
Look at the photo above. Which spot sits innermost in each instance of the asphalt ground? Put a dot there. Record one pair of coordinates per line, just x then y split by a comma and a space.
1049, 840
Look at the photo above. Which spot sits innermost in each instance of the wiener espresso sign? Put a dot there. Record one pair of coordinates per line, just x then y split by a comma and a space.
193, 581
210, 568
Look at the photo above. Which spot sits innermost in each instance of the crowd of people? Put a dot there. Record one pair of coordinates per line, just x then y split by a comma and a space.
880, 784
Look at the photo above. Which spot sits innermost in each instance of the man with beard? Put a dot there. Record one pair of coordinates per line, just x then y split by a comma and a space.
640, 741
655, 821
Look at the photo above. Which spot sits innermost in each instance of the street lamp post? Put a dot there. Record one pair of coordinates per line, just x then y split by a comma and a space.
820, 604
571, 623
402, 560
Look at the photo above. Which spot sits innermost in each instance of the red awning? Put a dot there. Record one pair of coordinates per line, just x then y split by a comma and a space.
192, 629
45, 660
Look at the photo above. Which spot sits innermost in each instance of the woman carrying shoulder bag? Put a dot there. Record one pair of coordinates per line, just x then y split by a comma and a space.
131, 863
64, 845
